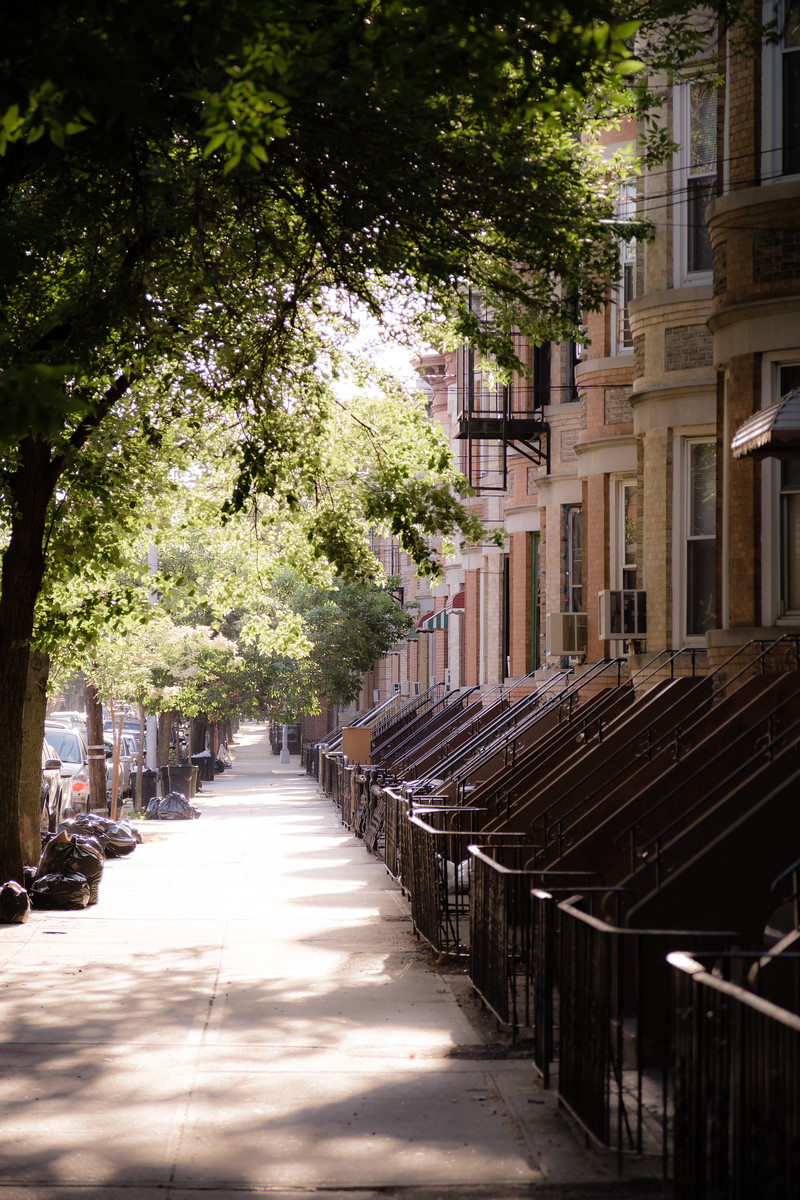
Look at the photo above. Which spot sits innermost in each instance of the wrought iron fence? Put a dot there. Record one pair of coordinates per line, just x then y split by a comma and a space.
500, 927
615, 1028
437, 874
737, 1090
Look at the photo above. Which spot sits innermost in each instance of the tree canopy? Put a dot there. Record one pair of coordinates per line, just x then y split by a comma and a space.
192, 193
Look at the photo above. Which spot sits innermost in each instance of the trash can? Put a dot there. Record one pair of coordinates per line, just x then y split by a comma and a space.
204, 761
183, 779
149, 788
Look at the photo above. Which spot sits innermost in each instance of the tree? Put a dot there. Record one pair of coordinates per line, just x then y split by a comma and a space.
185, 187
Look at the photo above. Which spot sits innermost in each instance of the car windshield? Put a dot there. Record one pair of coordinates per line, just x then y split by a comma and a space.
66, 744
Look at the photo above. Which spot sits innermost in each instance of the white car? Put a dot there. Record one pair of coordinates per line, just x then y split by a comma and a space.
70, 747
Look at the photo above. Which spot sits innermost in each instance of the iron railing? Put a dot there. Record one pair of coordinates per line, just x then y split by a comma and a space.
615, 1026
737, 1090
500, 928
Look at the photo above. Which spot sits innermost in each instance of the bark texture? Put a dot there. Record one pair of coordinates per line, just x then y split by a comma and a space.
30, 487
97, 754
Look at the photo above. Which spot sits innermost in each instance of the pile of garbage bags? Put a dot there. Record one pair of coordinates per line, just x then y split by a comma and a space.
173, 807
70, 868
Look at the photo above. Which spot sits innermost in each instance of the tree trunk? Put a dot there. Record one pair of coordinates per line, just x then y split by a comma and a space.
30, 490
164, 731
31, 771
97, 753
138, 802
199, 731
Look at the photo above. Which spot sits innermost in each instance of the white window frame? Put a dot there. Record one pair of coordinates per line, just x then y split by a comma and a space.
684, 439
618, 484
626, 210
772, 98
771, 534
682, 276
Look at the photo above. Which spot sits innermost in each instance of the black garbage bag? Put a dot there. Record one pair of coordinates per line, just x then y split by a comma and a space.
113, 838
130, 828
69, 890
15, 905
72, 854
151, 812
28, 876
175, 807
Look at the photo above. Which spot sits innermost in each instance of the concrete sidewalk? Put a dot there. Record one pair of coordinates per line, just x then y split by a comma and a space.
247, 1013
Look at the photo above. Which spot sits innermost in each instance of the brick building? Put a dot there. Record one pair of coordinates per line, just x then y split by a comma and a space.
623, 478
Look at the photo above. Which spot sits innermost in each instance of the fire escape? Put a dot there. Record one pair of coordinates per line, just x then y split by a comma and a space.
493, 418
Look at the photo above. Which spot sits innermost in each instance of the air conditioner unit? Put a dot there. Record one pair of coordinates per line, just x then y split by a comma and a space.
447, 678
415, 687
395, 689
622, 613
565, 633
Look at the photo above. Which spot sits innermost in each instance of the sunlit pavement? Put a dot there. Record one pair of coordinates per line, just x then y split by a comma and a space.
245, 1013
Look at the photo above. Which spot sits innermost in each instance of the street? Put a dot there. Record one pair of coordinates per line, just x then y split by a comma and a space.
246, 1012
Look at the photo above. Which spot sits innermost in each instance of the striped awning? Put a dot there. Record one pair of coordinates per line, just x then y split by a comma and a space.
773, 431
437, 620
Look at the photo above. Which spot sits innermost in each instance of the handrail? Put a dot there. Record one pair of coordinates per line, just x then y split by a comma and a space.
682, 961
740, 770
672, 656
453, 704
489, 739
785, 637
505, 737
604, 927
627, 764
413, 704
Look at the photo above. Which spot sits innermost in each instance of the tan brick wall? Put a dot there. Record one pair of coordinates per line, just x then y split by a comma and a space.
656, 488
520, 603
744, 499
686, 347
596, 530
471, 627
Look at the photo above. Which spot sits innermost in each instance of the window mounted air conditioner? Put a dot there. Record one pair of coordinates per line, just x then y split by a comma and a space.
622, 613
565, 633
415, 687
447, 678
395, 689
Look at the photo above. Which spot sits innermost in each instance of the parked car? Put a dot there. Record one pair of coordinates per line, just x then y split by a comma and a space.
52, 791
69, 745
67, 717
126, 761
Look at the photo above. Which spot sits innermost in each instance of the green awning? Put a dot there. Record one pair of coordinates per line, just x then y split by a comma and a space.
437, 620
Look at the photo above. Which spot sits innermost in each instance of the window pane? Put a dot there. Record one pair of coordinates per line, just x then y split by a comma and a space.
574, 559
699, 195
791, 552
701, 571
703, 489
702, 130
791, 35
789, 378
791, 112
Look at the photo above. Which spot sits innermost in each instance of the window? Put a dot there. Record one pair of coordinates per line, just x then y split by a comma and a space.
628, 536
701, 542
573, 558
626, 210
788, 379
780, 110
696, 133
790, 90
